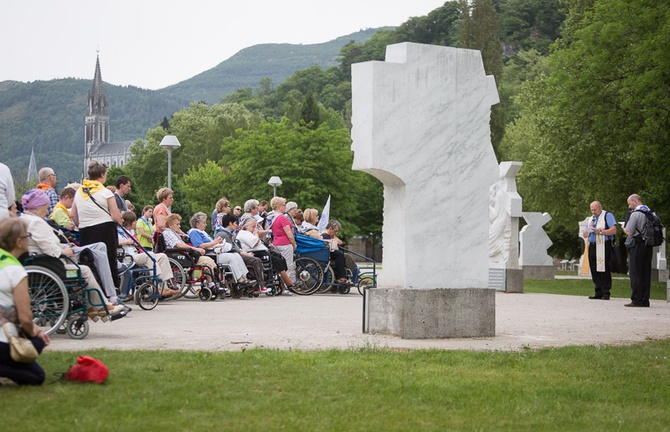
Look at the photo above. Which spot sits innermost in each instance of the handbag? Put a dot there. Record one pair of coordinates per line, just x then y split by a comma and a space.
87, 370
630, 242
21, 349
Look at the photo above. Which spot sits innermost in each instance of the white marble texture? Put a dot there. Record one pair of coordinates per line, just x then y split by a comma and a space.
659, 262
534, 241
421, 126
504, 214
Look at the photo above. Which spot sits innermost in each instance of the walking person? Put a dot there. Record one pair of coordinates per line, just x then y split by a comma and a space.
600, 231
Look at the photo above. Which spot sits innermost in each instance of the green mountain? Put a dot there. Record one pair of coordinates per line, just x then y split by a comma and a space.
48, 116
250, 65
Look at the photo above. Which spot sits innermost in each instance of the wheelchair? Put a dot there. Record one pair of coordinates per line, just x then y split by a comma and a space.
188, 274
140, 283
271, 277
59, 298
313, 267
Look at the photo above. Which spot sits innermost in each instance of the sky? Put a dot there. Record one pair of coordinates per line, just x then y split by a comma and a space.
152, 44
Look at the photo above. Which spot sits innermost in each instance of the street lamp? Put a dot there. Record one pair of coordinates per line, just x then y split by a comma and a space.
274, 182
169, 143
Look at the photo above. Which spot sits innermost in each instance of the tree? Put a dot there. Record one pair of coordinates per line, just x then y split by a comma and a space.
310, 110
312, 164
597, 126
481, 31
201, 130
202, 186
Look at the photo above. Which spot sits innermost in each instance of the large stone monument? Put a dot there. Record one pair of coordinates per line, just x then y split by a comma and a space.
421, 126
504, 214
535, 261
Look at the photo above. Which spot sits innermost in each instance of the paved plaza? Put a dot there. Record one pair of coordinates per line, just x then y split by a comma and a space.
334, 321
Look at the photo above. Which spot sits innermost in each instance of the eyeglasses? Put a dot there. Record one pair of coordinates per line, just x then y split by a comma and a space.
29, 235
54, 174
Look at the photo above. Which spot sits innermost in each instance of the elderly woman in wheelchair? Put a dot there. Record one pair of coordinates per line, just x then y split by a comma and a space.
44, 241
131, 248
222, 250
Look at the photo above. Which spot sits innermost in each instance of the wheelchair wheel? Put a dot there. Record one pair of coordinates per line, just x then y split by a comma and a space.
180, 276
49, 300
310, 273
328, 281
77, 327
205, 293
146, 296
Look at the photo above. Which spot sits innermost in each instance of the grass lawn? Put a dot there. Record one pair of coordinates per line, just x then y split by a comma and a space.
573, 388
584, 287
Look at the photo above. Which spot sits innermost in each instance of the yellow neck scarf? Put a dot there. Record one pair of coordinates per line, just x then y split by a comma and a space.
60, 206
93, 187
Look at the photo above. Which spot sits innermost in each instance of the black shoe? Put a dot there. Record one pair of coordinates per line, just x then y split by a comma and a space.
597, 297
606, 297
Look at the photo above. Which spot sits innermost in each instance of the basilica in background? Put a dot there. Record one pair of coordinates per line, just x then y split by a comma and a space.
97, 145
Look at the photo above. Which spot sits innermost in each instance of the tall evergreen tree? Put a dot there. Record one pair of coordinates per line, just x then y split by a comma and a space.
481, 31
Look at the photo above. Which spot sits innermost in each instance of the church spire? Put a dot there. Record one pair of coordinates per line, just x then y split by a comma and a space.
97, 100
97, 119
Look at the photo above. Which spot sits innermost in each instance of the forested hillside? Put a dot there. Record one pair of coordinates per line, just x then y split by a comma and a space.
250, 65
49, 115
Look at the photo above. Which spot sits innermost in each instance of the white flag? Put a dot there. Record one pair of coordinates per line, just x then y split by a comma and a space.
325, 215
32, 169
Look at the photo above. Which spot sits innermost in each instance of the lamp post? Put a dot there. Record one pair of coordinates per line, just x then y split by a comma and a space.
274, 182
169, 143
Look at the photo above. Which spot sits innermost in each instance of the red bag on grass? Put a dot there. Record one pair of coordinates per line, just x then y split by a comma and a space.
88, 369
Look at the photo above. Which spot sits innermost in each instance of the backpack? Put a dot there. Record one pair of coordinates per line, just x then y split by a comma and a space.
653, 229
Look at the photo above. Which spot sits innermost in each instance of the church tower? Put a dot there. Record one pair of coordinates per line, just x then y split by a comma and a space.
97, 119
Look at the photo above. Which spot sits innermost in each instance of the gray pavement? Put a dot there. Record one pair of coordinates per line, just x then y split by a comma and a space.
334, 321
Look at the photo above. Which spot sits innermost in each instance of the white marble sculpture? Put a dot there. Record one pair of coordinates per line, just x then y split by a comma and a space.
421, 126
659, 263
504, 214
583, 269
534, 241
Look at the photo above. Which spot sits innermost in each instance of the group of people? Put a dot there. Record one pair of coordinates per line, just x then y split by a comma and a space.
95, 220
601, 231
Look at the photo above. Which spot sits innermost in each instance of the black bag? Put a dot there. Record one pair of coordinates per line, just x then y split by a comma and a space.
193, 254
653, 229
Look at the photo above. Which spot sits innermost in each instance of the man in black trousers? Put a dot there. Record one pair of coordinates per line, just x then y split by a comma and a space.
640, 254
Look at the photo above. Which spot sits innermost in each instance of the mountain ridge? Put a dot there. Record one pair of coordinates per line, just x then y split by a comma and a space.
48, 115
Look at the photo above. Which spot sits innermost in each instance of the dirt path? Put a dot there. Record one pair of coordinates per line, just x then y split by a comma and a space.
333, 321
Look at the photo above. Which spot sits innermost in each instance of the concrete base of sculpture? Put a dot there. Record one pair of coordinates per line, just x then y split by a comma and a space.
538, 272
506, 280
514, 280
659, 275
431, 313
